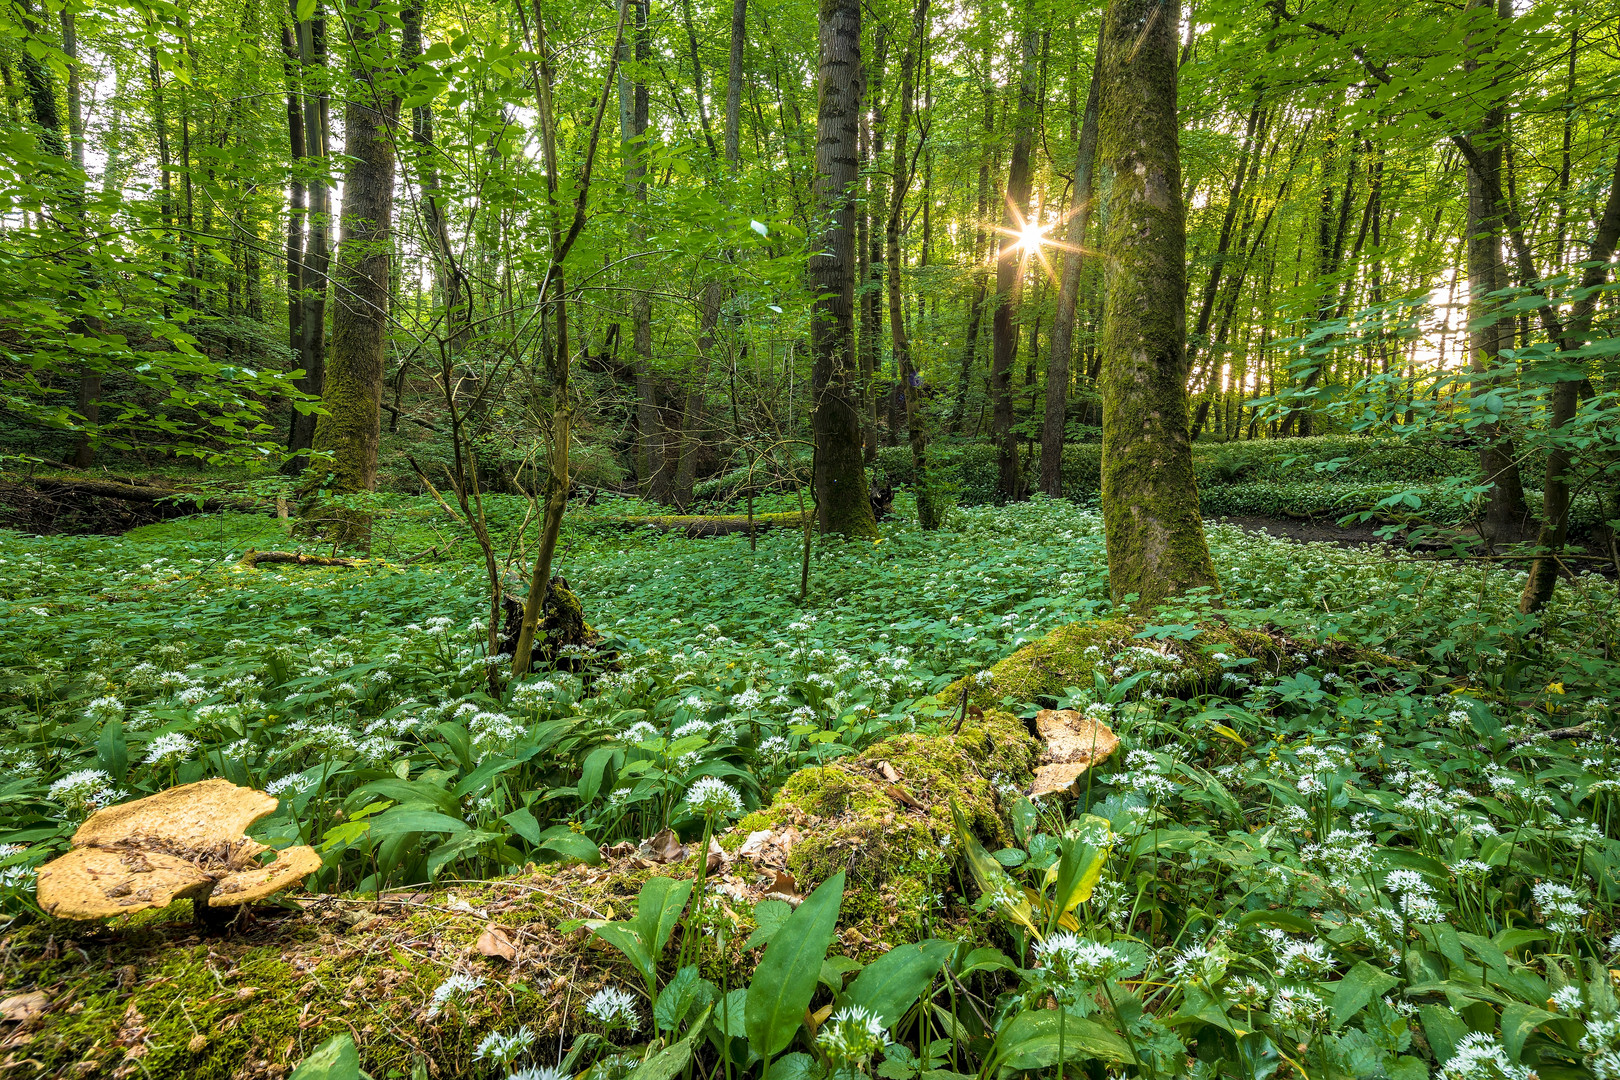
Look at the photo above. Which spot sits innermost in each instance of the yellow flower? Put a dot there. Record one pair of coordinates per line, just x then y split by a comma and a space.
1555, 688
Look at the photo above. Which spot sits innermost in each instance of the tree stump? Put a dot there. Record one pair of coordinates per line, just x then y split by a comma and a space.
563, 640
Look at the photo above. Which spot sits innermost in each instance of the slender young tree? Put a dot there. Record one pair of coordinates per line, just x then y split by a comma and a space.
316, 254
1154, 534
1057, 364
1010, 265
910, 380
840, 475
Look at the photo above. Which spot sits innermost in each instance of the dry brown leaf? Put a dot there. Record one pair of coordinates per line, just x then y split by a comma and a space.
890, 773
24, 1006
783, 887
495, 942
666, 847
718, 859
900, 795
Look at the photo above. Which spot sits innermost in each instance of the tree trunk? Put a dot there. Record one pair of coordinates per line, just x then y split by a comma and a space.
1507, 516
634, 49
981, 273
840, 477
1565, 398
1057, 365
1154, 534
312, 319
1010, 264
734, 81
352, 397
928, 515
296, 205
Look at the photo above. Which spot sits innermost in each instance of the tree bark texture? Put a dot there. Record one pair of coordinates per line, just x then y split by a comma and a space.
352, 397
1155, 536
312, 321
840, 476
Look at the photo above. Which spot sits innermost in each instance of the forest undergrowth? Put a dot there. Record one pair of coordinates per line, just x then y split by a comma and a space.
1293, 864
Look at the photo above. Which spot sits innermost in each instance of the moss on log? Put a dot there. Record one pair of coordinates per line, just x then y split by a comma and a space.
147, 997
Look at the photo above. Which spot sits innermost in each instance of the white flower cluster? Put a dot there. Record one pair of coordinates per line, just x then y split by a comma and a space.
1481, 1056
505, 1046
853, 1034
1416, 896
82, 792
453, 990
614, 1009
1560, 906
712, 796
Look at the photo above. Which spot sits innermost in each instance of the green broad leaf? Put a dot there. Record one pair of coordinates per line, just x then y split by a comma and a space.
1443, 1028
786, 978
623, 938
1257, 1056
673, 1060
1079, 869
769, 915
306, 10
479, 778
405, 819
112, 751
1359, 986
466, 843
686, 991
334, 1059
658, 909
794, 1066
575, 846
594, 770
730, 1014
524, 824
892, 983
1519, 1022
1030, 1041
1283, 920
986, 959
1405, 1067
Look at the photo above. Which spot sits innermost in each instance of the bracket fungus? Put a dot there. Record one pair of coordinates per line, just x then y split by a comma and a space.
1074, 743
188, 841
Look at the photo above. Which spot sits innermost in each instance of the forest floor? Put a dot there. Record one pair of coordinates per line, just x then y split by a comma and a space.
1317, 698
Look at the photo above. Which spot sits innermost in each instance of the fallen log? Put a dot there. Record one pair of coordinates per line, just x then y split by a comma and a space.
295, 558
110, 489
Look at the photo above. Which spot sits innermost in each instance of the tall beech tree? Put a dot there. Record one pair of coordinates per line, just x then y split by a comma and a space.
843, 505
1011, 263
1155, 536
350, 426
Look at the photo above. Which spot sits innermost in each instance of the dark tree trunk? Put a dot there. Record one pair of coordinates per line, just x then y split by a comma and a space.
981, 273
1010, 263
840, 476
928, 514
312, 319
1507, 516
1155, 537
1057, 365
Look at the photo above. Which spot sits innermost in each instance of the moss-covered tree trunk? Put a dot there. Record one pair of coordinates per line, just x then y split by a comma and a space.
1154, 533
352, 397
840, 474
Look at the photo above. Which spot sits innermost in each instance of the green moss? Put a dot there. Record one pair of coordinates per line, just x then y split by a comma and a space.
1071, 655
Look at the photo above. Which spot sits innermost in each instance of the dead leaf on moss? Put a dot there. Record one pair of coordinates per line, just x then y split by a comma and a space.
495, 942
666, 847
783, 887
718, 859
19, 1007
890, 773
